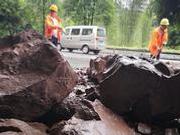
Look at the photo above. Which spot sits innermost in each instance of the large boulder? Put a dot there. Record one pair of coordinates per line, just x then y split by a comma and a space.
17, 127
147, 91
75, 104
34, 76
78, 115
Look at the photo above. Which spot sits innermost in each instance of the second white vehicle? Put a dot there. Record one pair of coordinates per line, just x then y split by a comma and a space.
85, 38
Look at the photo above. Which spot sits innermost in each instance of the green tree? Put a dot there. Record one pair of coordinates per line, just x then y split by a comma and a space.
169, 9
133, 23
88, 12
36, 16
16, 15
10, 16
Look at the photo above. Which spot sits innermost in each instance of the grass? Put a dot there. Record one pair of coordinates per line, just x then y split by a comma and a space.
172, 50
136, 48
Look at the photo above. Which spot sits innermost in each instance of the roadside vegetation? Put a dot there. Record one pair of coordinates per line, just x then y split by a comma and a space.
128, 22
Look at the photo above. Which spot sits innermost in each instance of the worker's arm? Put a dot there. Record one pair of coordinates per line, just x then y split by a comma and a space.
59, 19
49, 23
61, 28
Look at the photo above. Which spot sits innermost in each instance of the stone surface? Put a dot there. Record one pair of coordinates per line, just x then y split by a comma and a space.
109, 124
17, 127
146, 91
34, 76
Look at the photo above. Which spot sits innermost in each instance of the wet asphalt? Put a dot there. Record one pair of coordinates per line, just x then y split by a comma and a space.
79, 60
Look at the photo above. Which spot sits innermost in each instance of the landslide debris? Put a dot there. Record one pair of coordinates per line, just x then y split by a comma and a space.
33, 76
39, 87
147, 91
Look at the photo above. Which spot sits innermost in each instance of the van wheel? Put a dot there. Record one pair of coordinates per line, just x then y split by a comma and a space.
85, 49
70, 50
96, 52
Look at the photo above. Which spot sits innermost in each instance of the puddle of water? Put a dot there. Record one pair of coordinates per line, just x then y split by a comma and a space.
112, 123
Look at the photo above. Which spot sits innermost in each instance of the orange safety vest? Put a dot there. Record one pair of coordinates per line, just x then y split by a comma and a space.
50, 26
158, 39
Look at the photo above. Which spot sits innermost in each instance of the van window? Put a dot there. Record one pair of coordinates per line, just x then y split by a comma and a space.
75, 31
87, 32
67, 31
100, 32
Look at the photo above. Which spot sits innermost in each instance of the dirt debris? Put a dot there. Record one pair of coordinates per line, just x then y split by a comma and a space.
39, 87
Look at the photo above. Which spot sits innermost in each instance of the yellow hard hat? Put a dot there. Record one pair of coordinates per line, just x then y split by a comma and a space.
164, 21
53, 7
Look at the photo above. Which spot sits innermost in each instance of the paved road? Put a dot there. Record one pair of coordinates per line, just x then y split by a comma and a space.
79, 60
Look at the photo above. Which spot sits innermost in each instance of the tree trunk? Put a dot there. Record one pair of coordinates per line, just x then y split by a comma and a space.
92, 17
43, 29
84, 15
93, 11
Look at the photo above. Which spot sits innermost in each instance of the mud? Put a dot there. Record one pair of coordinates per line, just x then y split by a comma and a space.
110, 124
116, 95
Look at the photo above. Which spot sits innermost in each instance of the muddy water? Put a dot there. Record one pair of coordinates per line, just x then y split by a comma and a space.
112, 124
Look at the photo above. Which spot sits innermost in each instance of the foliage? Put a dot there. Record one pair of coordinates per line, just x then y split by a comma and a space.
169, 9
10, 13
133, 24
16, 15
174, 36
89, 12
36, 16
105, 12
128, 22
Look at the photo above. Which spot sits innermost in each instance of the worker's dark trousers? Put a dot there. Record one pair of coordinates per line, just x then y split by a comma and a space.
152, 57
54, 40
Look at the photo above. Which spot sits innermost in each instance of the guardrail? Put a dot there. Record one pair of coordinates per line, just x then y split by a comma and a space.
140, 50
142, 53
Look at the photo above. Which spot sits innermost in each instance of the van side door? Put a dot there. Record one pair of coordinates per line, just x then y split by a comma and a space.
87, 37
75, 38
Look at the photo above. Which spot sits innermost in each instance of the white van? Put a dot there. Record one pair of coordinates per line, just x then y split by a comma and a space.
85, 38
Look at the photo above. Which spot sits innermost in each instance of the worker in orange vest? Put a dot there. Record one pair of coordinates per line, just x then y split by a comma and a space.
159, 38
53, 30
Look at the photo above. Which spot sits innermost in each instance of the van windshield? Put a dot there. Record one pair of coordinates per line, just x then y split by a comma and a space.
100, 32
